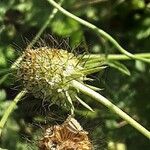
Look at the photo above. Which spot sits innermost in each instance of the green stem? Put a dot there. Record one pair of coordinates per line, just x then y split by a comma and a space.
97, 30
115, 56
110, 106
10, 109
51, 16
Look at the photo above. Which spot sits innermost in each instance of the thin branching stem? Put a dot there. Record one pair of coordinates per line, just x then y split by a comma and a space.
99, 31
84, 89
51, 16
114, 56
9, 110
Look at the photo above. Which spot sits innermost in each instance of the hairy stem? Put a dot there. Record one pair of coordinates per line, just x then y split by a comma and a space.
10, 109
84, 89
97, 30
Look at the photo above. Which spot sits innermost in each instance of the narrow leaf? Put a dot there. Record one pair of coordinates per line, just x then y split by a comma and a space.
84, 104
119, 66
92, 70
93, 87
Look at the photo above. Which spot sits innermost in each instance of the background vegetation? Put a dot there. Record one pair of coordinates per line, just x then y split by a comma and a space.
127, 21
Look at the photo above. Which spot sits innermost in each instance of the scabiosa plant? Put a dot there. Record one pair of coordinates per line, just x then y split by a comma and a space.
57, 75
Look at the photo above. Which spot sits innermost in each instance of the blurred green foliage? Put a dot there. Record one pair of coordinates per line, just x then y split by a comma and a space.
127, 21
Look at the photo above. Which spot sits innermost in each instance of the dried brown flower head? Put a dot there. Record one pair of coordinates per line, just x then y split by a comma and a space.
67, 136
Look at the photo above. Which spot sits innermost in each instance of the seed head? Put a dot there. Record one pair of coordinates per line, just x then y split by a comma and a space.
47, 74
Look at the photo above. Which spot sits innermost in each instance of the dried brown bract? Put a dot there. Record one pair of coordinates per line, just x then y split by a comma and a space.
67, 136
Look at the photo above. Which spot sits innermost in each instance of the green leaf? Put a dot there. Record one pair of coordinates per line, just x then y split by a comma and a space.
93, 87
119, 66
91, 63
84, 104
87, 71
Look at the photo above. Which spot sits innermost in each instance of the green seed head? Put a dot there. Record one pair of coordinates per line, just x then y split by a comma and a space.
46, 72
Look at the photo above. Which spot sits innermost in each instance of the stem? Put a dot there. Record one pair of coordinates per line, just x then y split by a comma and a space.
115, 56
51, 16
84, 89
97, 30
10, 109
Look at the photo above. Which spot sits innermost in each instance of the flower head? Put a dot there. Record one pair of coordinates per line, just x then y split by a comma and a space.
69, 135
47, 74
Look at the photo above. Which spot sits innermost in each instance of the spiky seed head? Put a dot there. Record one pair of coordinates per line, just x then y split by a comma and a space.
46, 72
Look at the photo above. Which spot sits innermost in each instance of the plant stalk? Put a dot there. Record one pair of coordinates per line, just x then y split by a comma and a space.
115, 56
97, 30
84, 89
51, 16
9, 110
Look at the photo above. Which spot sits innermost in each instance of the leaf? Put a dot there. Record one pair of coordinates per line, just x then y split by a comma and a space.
84, 104
119, 66
93, 87
87, 71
